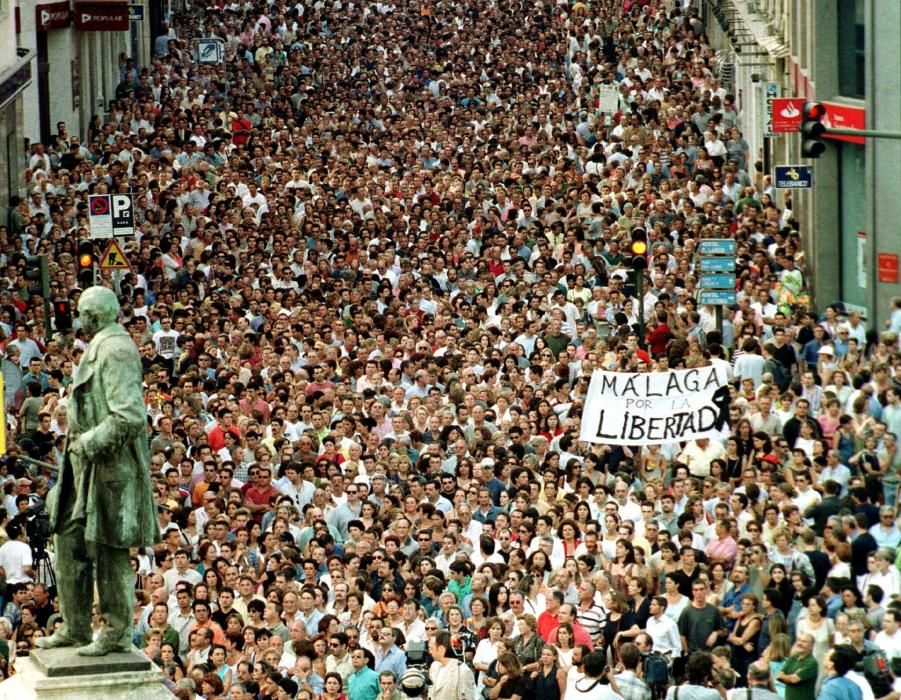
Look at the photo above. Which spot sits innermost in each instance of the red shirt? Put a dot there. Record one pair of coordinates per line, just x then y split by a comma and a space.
547, 623
259, 497
658, 338
216, 437
239, 125
218, 634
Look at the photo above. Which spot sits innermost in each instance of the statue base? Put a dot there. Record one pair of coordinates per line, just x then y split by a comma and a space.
61, 674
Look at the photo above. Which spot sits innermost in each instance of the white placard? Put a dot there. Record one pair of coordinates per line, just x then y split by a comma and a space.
648, 408
608, 100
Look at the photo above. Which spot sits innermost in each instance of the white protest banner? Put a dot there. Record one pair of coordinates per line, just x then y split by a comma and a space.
647, 408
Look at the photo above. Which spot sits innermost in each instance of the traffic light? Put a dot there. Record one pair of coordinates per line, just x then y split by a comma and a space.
37, 274
62, 315
638, 248
812, 129
87, 262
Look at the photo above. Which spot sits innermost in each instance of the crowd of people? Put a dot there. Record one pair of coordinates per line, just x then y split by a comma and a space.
379, 252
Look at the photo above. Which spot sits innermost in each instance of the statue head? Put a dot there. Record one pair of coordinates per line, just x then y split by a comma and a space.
97, 309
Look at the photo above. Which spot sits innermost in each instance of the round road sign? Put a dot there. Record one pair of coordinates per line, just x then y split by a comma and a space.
100, 206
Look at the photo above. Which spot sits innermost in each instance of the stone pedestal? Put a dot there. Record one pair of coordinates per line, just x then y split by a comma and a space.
61, 674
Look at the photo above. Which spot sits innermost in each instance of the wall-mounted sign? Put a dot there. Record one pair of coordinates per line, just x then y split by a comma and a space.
785, 114
839, 116
887, 266
793, 177
54, 15
101, 15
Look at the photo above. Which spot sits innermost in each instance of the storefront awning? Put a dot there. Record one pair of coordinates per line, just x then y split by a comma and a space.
17, 77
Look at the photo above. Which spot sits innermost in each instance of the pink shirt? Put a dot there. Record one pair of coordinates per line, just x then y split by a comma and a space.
724, 550
579, 633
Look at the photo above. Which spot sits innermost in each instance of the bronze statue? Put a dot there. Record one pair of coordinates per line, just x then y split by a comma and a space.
102, 504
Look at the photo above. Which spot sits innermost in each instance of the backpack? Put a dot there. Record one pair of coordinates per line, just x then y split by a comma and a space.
877, 672
656, 669
781, 376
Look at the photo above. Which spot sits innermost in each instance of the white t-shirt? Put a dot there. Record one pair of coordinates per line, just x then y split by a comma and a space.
591, 689
890, 644
166, 343
15, 557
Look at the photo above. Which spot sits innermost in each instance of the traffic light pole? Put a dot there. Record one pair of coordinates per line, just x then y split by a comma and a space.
869, 133
639, 294
48, 311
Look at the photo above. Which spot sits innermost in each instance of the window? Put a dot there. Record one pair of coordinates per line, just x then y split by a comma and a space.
851, 47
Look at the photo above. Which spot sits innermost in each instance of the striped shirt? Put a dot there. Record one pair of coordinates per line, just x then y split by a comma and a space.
593, 620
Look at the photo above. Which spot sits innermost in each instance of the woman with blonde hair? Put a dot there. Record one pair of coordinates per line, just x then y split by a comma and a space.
549, 679
774, 657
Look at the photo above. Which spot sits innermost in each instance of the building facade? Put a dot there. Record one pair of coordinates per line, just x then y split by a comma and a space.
845, 54
16, 75
59, 67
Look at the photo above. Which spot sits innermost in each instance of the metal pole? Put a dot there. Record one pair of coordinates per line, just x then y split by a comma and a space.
871, 133
718, 315
48, 324
639, 292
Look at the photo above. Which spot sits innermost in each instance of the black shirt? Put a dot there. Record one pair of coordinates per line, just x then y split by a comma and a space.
696, 625
515, 686
786, 355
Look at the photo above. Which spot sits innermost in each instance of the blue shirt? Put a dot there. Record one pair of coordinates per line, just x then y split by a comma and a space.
892, 538
395, 660
311, 623
839, 688
833, 606
481, 517
363, 685
733, 600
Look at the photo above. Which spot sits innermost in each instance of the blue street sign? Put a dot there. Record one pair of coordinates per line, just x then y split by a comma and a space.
717, 246
136, 13
717, 264
210, 51
717, 282
794, 177
716, 297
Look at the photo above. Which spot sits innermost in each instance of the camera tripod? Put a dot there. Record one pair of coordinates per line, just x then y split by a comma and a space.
43, 568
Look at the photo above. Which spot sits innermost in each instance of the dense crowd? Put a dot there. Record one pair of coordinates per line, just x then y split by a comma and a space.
379, 253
